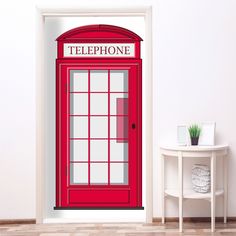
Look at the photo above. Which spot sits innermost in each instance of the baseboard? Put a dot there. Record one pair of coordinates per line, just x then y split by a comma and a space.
154, 220
17, 221
193, 219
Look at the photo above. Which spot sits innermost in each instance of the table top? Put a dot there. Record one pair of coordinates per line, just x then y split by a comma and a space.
194, 148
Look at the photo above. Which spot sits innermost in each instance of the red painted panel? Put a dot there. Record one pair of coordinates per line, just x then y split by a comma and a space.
122, 106
97, 32
122, 127
102, 196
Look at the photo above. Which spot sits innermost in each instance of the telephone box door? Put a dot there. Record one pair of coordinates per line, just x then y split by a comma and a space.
99, 130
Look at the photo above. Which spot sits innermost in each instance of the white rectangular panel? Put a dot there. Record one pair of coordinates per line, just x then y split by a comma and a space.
99, 173
98, 104
99, 81
79, 127
119, 173
79, 103
79, 173
79, 81
98, 150
79, 150
99, 50
98, 127
118, 151
119, 81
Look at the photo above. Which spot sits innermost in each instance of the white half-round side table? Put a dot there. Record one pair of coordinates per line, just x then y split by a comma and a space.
181, 152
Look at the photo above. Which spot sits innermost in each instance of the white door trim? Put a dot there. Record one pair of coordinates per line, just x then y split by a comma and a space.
41, 13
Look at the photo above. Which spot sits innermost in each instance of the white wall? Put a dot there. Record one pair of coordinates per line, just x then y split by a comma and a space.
194, 80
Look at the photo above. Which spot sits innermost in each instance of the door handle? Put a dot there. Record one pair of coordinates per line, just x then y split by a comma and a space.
133, 126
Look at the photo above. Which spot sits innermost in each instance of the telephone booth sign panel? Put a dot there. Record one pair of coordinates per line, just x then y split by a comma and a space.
98, 118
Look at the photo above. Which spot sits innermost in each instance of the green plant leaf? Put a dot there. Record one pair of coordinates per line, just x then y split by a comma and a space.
194, 130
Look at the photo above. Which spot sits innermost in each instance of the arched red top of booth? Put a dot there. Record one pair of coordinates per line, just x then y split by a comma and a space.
99, 41
99, 119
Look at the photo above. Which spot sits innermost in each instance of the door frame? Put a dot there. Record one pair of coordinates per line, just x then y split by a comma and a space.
41, 84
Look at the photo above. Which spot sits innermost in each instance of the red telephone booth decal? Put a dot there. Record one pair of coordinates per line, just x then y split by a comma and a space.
98, 118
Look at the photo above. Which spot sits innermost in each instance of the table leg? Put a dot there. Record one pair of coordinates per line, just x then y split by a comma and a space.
163, 189
213, 175
225, 188
180, 177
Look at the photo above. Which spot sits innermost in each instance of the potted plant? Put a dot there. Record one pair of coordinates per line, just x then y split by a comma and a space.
194, 132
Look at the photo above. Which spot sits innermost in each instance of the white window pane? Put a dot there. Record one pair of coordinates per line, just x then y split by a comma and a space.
113, 127
79, 81
98, 173
99, 81
119, 104
118, 151
119, 173
98, 150
98, 104
79, 150
79, 104
79, 173
79, 127
98, 127
119, 81
119, 127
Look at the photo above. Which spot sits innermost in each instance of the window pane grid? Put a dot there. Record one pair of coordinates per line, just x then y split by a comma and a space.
117, 139
100, 92
109, 138
98, 162
99, 115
